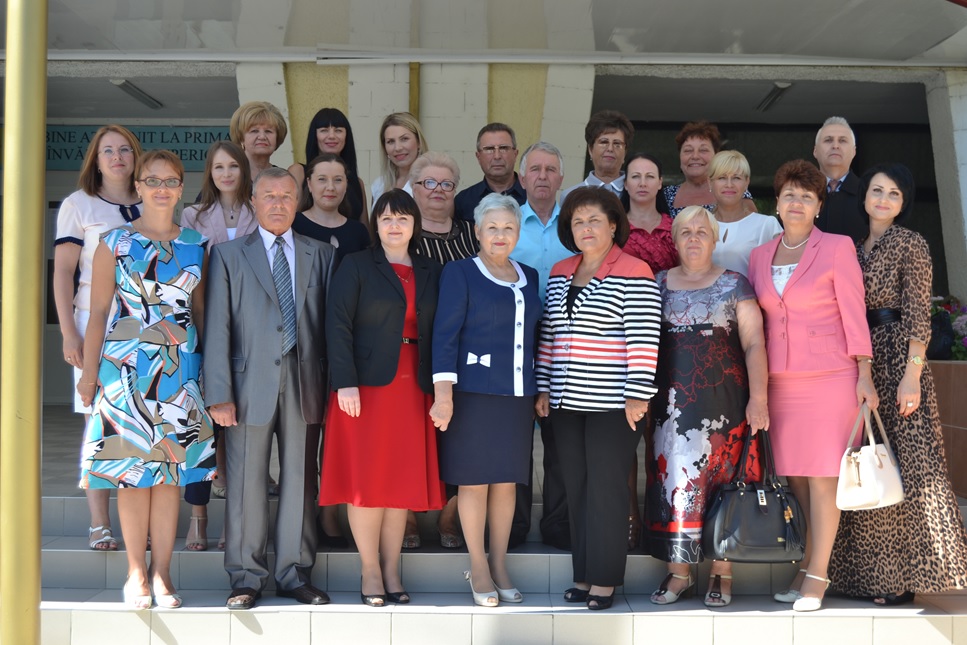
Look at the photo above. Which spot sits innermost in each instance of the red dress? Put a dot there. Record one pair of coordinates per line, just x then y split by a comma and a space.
387, 456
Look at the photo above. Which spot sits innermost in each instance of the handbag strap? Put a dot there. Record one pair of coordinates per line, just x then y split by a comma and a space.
879, 423
739, 477
769, 476
864, 413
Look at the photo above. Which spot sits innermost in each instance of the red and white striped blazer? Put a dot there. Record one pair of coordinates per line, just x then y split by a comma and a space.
606, 350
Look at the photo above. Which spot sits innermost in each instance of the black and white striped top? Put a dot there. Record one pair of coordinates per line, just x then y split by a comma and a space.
458, 244
606, 349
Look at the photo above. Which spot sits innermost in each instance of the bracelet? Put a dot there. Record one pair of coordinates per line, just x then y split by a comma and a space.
865, 360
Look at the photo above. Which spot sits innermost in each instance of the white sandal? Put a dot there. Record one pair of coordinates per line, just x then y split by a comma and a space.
715, 597
662, 596
811, 603
107, 537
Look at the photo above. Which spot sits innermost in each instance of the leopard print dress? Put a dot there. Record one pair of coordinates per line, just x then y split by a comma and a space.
920, 544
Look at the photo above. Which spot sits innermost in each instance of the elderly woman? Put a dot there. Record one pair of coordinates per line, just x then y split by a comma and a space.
380, 453
739, 230
608, 135
223, 212
484, 341
697, 143
402, 142
106, 199
595, 374
707, 311
259, 128
810, 288
918, 545
434, 178
149, 432
330, 133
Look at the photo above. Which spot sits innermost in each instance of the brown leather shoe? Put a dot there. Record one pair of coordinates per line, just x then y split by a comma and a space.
242, 598
306, 594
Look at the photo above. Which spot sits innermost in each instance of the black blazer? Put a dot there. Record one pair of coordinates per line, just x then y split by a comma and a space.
364, 319
841, 211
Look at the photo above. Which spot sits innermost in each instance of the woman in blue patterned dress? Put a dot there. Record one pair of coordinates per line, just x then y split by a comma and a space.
148, 434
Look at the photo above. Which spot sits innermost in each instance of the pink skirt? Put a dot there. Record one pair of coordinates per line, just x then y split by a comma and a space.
811, 415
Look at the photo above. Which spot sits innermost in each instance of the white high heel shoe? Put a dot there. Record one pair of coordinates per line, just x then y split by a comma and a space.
486, 599
810, 603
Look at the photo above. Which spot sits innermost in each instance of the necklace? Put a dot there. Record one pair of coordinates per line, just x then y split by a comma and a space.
792, 248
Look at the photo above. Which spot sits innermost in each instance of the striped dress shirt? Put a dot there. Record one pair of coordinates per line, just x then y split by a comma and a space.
606, 349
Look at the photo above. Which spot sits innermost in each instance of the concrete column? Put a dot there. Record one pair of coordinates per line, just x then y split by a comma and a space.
947, 107
374, 92
266, 82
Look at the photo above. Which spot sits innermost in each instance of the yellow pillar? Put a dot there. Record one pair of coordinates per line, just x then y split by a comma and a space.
22, 320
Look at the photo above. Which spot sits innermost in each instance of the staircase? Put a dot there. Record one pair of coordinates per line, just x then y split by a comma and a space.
82, 595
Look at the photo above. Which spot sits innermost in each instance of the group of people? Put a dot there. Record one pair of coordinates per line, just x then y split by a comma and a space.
400, 355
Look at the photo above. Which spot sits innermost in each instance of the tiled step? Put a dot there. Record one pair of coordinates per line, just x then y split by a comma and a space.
72, 617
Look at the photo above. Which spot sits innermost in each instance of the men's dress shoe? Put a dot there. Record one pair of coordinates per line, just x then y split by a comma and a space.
306, 594
243, 598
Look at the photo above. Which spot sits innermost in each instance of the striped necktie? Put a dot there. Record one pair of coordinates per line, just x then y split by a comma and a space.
833, 185
283, 287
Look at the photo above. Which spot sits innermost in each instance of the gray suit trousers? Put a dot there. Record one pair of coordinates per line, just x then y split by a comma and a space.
248, 450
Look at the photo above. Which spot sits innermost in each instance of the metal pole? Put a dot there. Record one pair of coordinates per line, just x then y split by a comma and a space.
22, 320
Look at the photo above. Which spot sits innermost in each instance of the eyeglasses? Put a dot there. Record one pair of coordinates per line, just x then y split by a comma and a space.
491, 150
123, 151
617, 144
446, 185
155, 182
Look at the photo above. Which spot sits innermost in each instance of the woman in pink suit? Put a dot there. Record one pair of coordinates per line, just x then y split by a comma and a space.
810, 288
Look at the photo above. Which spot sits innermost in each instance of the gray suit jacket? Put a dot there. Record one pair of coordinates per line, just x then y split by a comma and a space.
243, 328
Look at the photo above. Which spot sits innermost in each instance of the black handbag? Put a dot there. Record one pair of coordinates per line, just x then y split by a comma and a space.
754, 521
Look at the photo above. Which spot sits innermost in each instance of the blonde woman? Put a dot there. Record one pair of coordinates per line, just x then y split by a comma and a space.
402, 141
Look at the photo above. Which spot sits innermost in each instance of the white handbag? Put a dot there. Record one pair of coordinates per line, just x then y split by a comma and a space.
869, 475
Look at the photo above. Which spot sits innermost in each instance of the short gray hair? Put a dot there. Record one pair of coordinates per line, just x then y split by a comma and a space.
496, 202
694, 212
273, 172
543, 146
438, 159
836, 120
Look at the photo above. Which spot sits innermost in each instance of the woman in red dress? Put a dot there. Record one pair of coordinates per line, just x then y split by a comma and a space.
380, 453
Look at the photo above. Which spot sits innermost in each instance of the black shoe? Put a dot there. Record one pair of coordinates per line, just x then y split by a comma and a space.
576, 595
601, 602
398, 597
892, 599
306, 594
242, 598
375, 600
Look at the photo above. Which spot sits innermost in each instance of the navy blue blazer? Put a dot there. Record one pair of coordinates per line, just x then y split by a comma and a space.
485, 331
364, 320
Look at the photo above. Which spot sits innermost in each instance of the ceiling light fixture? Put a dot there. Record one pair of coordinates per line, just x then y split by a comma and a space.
778, 89
137, 93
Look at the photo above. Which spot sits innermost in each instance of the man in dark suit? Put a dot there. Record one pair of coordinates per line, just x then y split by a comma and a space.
834, 151
265, 374
496, 154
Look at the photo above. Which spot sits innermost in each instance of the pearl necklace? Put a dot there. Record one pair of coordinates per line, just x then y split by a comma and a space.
792, 248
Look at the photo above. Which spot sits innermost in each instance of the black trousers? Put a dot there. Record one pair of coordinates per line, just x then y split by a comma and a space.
596, 450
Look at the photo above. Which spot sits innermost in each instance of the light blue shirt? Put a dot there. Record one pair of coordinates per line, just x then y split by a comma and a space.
539, 246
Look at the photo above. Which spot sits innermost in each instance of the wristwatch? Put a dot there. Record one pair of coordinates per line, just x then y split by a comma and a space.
919, 361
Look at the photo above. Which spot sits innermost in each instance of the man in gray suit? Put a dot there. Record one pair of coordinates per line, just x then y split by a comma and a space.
265, 374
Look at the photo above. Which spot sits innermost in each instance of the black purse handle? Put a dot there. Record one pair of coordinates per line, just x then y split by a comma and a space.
765, 453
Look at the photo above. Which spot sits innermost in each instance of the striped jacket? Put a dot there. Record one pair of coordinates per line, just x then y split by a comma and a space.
607, 350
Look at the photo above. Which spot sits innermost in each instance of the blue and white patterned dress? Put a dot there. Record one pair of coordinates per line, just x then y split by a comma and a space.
149, 425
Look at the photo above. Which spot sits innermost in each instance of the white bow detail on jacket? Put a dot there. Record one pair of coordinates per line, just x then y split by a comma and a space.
473, 359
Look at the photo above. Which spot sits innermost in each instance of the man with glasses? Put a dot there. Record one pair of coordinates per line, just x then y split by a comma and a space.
608, 135
496, 154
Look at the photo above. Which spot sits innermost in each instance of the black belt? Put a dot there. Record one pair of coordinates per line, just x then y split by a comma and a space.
877, 317
409, 341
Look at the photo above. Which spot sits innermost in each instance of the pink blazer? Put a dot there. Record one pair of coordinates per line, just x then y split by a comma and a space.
819, 322
211, 223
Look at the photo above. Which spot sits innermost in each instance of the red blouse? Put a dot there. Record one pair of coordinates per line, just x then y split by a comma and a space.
656, 248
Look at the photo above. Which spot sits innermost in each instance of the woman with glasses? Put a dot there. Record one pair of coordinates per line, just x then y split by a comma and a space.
608, 134
149, 433
106, 199
434, 178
